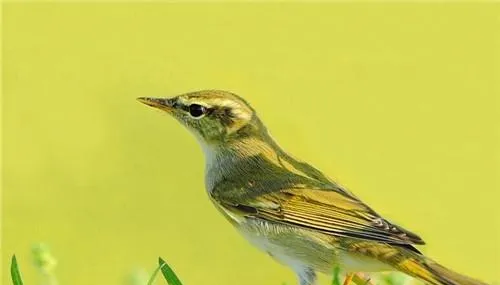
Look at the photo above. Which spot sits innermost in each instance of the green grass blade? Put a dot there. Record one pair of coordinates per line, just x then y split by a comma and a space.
168, 273
153, 277
336, 276
14, 272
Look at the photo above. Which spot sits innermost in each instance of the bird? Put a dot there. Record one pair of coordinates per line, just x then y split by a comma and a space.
286, 207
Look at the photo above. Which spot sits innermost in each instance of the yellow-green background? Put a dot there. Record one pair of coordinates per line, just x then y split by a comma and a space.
399, 102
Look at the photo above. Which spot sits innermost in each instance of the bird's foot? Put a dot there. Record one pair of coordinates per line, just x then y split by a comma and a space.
358, 279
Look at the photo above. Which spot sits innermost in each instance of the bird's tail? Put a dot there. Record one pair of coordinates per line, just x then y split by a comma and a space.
433, 273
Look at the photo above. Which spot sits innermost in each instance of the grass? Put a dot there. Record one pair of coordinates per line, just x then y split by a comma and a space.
46, 264
336, 276
15, 273
167, 272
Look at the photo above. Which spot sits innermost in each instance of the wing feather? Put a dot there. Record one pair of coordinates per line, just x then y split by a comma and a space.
332, 212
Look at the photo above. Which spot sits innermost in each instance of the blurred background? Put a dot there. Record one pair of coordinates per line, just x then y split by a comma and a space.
398, 102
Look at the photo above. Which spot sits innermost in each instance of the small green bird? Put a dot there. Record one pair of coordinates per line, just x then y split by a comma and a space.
288, 208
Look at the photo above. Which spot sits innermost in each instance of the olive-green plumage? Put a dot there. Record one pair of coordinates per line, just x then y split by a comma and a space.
288, 208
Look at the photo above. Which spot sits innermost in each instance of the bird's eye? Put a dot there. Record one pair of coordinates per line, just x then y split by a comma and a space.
196, 110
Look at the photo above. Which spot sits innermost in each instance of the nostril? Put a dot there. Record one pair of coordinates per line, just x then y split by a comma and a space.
171, 103
162, 101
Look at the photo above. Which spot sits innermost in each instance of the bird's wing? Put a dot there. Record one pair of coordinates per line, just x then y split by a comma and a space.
328, 211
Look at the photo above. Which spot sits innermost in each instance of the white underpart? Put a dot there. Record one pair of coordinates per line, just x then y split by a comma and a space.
277, 251
347, 262
210, 160
208, 152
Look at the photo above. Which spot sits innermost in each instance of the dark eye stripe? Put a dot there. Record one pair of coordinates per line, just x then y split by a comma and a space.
184, 108
178, 105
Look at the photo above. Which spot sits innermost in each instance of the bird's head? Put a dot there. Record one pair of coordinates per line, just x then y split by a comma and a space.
214, 116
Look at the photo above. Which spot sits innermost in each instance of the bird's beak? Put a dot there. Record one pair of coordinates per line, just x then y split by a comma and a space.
160, 103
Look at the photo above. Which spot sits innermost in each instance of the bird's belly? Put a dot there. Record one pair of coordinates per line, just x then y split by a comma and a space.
299, 248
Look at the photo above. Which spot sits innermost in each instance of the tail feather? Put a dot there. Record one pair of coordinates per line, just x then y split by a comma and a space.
433, 273
449, 277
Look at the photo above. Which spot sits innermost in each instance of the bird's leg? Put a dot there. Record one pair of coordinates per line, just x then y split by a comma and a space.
306, 276
348, 278
361, 279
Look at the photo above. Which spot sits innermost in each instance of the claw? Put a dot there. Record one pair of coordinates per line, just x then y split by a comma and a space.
361, 279
348, 278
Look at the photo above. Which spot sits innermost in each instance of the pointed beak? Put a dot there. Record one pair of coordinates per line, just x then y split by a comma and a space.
160, 103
